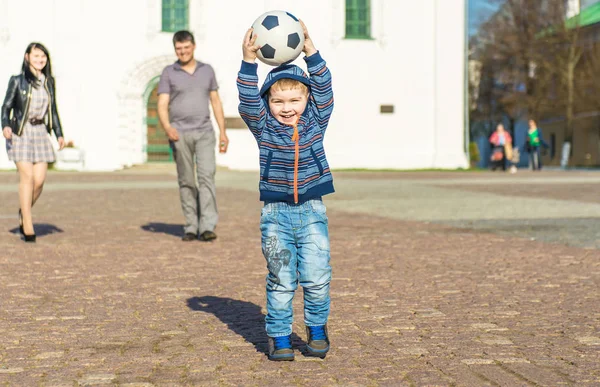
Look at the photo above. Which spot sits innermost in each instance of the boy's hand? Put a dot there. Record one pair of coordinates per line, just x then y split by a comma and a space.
249, 47
309, 47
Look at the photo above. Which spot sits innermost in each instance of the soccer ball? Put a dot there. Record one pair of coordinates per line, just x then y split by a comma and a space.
280, 37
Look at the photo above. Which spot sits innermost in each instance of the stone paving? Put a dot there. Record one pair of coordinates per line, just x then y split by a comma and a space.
440, 279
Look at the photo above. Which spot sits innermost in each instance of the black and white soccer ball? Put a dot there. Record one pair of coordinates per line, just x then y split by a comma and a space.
280, 37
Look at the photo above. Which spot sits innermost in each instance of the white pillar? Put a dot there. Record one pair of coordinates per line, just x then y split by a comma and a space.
573, 8
449, 104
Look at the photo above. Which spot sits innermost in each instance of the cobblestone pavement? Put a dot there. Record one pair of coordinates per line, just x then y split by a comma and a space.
440, 279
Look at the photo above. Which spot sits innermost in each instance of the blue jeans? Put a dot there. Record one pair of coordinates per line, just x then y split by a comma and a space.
295, 243
535, 158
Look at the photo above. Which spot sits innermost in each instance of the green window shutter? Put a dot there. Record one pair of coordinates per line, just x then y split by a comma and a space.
358, 19
175, 15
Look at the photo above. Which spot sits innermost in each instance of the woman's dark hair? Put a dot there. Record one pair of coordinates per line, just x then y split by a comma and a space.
183, 36
47, 70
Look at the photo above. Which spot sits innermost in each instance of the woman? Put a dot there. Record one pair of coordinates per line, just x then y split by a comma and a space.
29, 114
501, 146
532, 144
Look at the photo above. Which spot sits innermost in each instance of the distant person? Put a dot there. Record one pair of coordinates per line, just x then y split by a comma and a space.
29, 114
533, 142
514, 161
501, 143
184, 91
288, 117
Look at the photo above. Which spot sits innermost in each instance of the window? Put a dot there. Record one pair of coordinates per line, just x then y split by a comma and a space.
175, 15
358, 19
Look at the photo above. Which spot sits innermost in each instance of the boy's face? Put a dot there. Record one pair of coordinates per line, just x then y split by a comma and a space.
287, 105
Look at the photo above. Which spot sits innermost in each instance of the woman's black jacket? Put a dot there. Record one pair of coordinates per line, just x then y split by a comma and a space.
17, 100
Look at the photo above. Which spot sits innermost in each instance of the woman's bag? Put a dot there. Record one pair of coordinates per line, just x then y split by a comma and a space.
508, 151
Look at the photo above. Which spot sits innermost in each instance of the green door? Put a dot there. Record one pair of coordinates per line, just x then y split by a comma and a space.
157, 148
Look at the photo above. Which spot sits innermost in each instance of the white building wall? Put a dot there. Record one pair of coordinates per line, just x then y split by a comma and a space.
105, 53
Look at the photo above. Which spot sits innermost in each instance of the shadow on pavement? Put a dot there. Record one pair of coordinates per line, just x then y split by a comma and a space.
41, 229
164, 228
242, 317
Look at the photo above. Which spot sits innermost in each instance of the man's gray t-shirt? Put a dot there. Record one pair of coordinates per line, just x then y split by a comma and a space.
189, 95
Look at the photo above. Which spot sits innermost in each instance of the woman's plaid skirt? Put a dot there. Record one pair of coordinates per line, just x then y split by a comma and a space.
32, 146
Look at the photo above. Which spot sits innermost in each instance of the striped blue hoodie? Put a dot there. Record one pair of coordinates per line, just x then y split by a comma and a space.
293, 166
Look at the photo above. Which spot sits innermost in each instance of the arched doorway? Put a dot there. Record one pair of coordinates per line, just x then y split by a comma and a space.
157, 142
134, 94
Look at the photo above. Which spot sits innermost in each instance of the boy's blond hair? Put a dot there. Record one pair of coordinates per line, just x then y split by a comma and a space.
288, 84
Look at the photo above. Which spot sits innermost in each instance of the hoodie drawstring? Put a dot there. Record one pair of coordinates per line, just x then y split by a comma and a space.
295, 138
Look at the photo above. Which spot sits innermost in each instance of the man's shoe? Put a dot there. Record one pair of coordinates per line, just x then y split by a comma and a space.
188, 237
318, 341
280, 348
208, 236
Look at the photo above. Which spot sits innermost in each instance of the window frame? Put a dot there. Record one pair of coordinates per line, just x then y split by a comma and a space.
172, 23
357, 24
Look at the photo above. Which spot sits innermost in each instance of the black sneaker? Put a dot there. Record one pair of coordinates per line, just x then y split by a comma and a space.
318, 341
188, 237
208, 236
280, 348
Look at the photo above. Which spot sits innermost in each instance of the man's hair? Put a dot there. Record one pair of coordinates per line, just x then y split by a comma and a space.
183, 36
288, 84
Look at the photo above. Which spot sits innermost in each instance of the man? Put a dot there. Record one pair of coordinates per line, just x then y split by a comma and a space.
184, 90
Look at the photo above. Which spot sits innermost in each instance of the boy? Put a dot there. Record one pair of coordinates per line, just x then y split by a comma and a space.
288, 118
